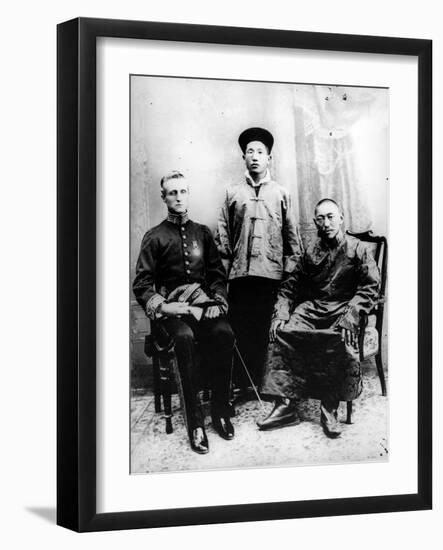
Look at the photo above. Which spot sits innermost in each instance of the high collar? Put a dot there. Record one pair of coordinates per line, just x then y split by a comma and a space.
265, 179
177, 219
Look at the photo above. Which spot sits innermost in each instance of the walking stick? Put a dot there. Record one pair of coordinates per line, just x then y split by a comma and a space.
249, 376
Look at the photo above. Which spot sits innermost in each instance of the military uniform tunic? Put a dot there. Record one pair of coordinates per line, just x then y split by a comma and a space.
177, 252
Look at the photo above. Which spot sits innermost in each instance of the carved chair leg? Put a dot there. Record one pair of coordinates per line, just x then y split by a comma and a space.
167, 405
157, 391
168, 412
381, 374
349, 412
166, 375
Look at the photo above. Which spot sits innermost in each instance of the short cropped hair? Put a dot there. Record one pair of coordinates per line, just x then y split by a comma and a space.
173, 175
327, 200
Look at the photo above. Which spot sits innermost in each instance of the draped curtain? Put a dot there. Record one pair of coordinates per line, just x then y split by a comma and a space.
326, 151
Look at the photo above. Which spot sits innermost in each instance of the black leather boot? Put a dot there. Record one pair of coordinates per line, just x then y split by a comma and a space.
223, 426
328, 419
284, 413
199, 441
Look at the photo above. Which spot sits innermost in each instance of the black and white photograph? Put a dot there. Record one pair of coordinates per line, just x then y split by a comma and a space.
259, 237
286, 391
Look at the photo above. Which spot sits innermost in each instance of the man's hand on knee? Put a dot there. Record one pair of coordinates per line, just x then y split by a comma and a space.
276, 325
349, 337
212, 312
174, 309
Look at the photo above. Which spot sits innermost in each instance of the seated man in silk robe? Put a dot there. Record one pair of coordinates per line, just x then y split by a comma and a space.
313, 349
180, 283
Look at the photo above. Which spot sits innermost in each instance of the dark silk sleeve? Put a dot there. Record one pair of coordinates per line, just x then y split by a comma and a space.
367, 290
288, 290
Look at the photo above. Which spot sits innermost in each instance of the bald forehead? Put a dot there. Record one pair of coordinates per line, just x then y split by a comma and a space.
325, 208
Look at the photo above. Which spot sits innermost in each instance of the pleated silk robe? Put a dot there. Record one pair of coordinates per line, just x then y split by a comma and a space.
331, 284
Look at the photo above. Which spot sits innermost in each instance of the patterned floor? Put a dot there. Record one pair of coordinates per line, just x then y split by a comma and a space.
152, 450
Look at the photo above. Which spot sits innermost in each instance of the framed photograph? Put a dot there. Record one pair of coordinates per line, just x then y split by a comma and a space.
234, 341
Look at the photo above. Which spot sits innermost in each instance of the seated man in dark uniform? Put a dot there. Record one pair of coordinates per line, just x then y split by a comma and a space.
314, 332
181, 284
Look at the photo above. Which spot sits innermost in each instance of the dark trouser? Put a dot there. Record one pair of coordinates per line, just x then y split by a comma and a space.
251, 303
216, 341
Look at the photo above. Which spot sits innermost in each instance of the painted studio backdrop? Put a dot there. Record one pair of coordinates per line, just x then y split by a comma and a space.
330, 141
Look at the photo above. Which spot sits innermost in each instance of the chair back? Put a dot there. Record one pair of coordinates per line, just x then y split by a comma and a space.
379, 248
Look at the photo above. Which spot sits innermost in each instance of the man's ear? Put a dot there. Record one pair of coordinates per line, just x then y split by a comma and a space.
315, 222
244, 157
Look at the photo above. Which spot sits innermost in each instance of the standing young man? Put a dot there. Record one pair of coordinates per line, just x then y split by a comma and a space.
258, 241
179, 275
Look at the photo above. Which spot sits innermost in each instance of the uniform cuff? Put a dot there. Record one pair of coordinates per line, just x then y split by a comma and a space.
153, 304
223, 304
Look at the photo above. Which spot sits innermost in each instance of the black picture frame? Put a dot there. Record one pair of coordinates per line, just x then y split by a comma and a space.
76, 265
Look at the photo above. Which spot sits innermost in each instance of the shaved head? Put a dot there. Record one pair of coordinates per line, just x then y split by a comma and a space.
323, 201
328, 219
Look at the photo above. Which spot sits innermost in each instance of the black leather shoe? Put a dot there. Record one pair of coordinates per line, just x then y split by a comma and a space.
329, 422
199, 441
222, 425
284, 413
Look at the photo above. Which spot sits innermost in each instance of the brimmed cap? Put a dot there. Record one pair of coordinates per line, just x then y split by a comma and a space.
255, 134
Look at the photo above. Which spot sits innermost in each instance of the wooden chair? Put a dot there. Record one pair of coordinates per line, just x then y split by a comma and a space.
165, 371
371, 326
162, 378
